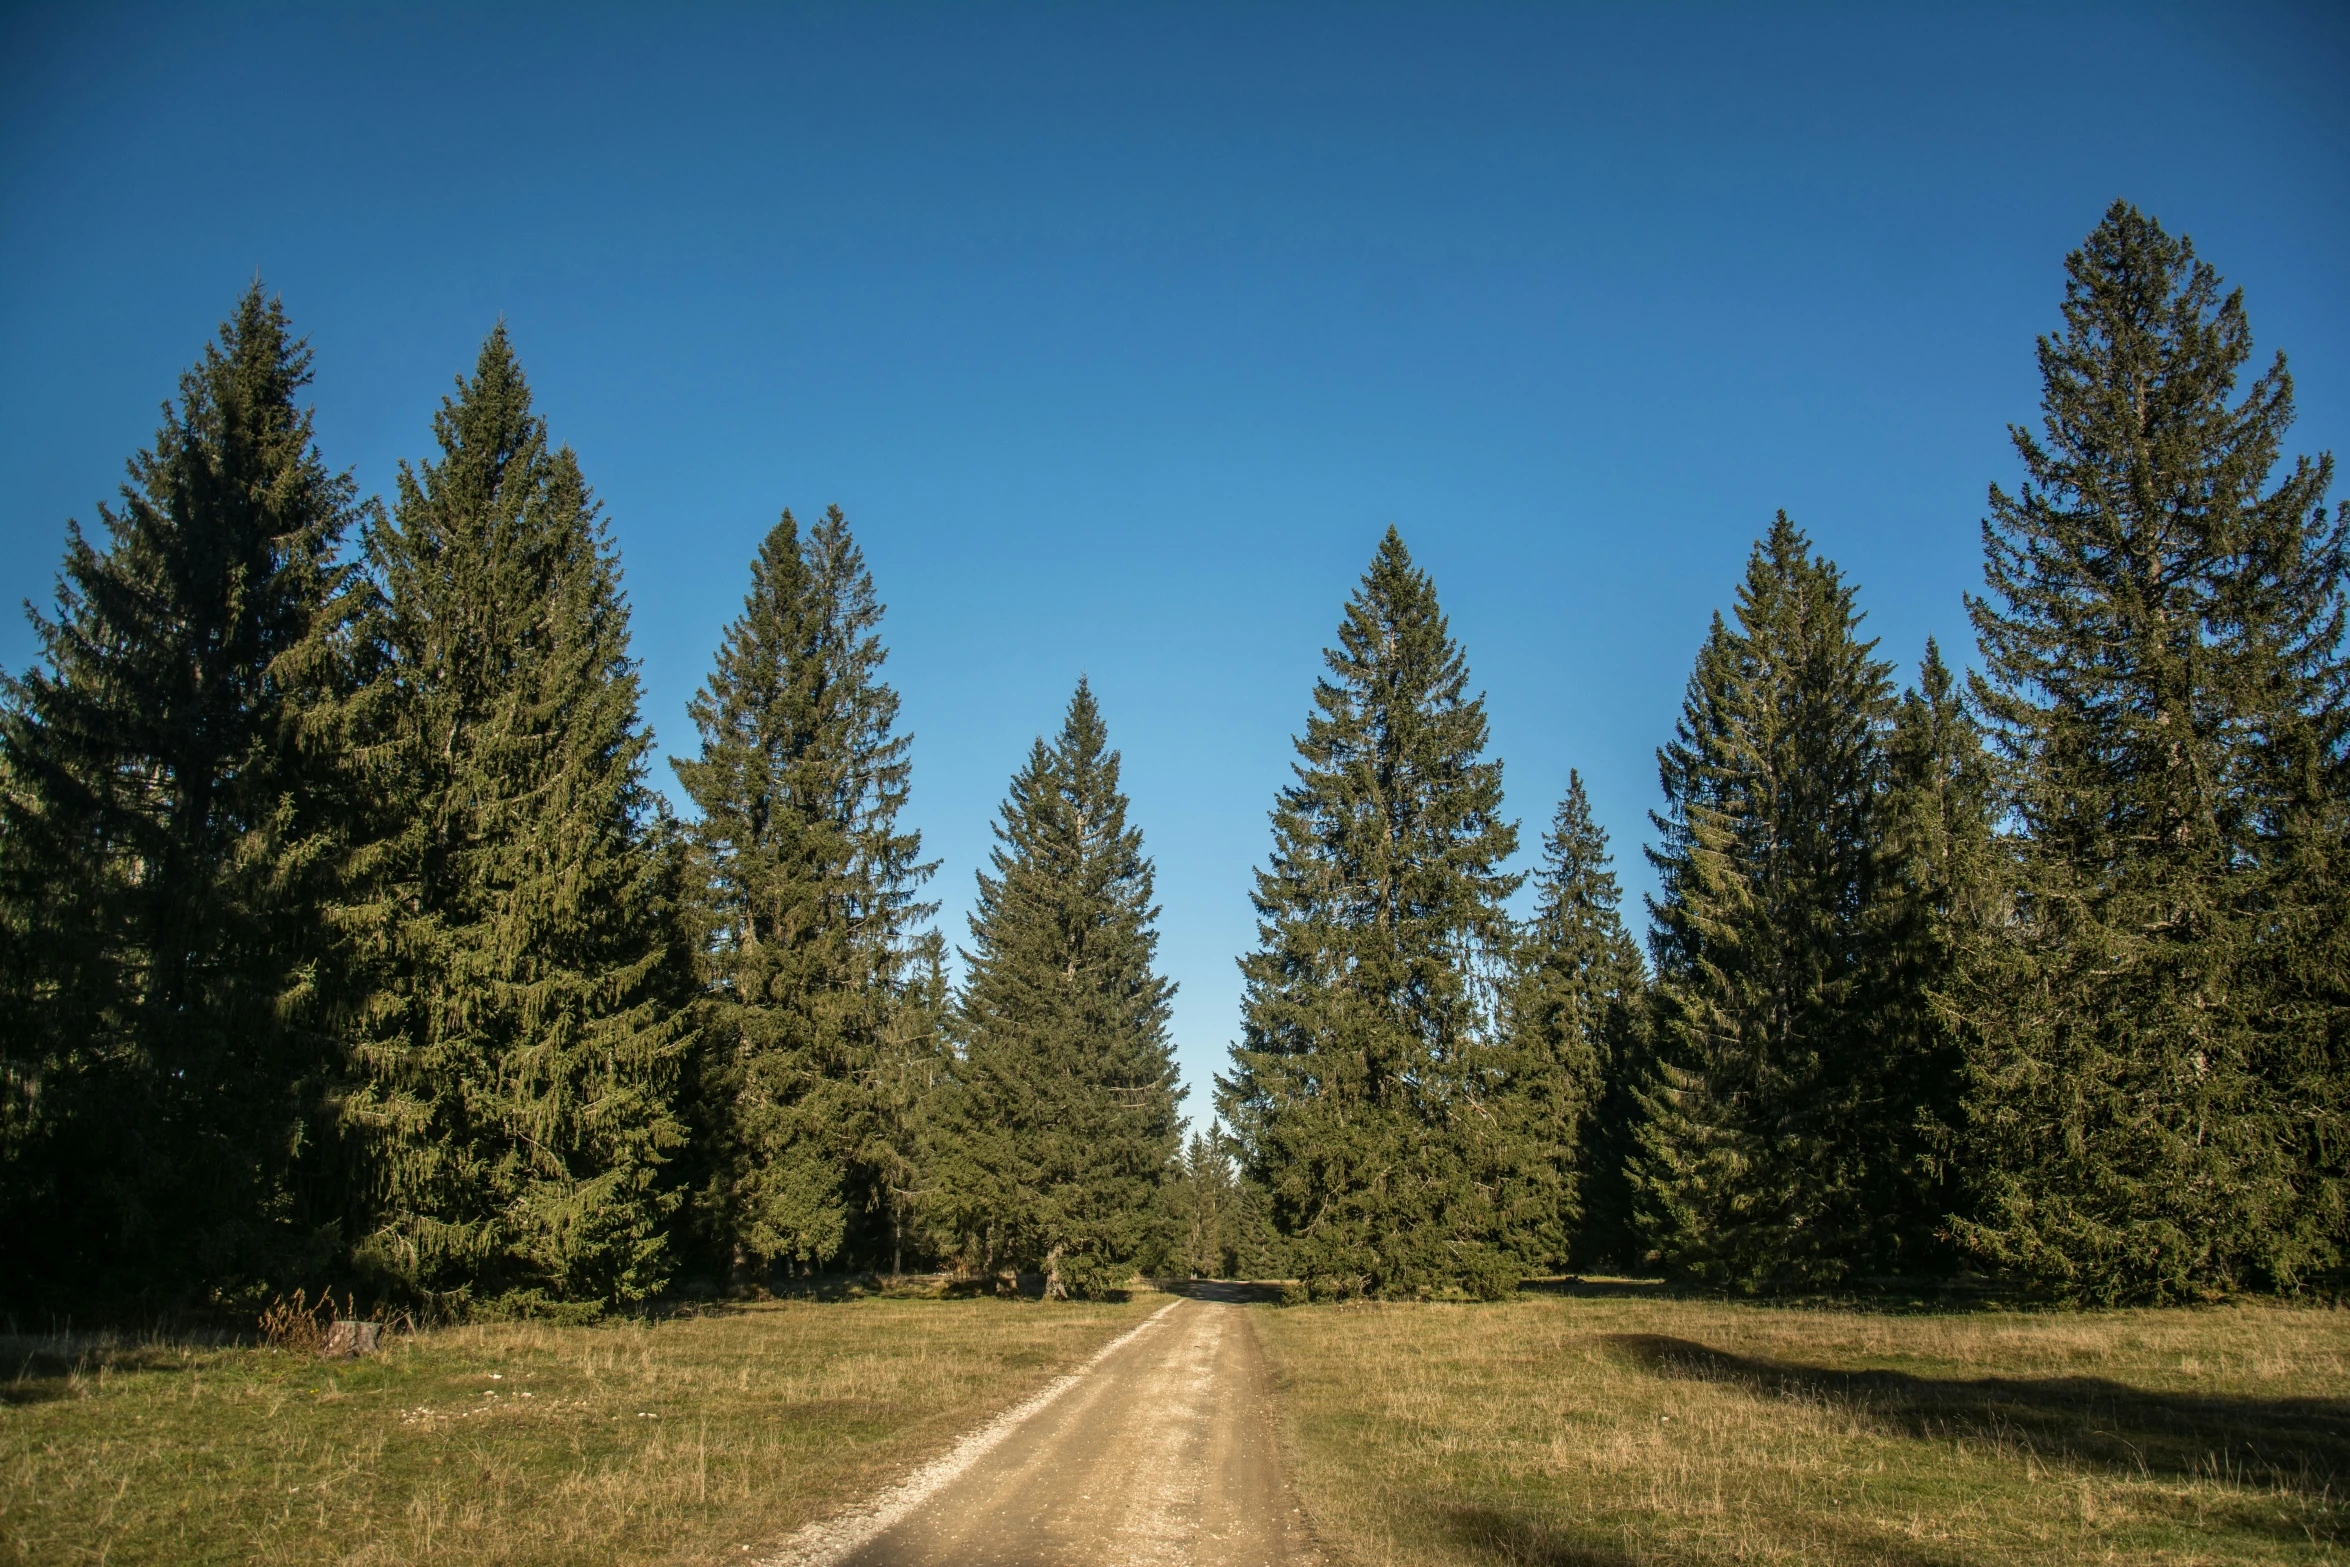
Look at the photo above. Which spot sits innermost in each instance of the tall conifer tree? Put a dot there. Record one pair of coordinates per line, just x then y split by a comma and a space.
172, 815
1066, 1127
1207, 1209
521, 1059
1579, 991
1369, 1094
1757, 1146
908, 1090
809, 1078
2157, 1035
1937, 893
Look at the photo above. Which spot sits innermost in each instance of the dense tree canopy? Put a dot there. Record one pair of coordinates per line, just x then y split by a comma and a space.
343, 940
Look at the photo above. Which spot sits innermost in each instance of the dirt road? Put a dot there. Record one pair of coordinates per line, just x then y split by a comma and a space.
1159, 1451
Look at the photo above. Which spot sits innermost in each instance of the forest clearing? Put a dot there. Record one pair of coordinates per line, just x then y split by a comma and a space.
1274, 786
1586, 1422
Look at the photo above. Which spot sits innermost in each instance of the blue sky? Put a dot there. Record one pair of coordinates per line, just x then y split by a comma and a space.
1120, 333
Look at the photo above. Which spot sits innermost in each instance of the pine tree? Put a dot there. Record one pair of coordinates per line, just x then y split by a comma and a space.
1758, 1143
1369, 1094
1578, 993
2156, 1034
521, 1058
1066, 1124
1937, 885
171, 825
803, 1123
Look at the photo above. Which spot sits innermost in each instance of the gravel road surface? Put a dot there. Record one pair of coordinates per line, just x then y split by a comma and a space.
1158, 1452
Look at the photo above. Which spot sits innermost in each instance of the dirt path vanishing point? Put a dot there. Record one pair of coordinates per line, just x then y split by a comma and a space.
1159, 1450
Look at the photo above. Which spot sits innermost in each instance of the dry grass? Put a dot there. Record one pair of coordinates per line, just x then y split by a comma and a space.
683, 1440
1612, 1426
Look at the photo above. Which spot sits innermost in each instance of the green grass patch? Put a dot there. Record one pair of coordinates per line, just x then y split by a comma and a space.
1618, 1426
685, 1439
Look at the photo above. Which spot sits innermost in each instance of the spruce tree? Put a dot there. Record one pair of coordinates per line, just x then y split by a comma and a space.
1372, 1095
1066, 1121
172, 818
1937, 893
1579, 991
1207, 1208
521, 1057
2156, 1033
908, 1088
809, 1079
1759, 1136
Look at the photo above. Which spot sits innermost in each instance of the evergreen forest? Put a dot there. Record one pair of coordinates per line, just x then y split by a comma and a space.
346, 941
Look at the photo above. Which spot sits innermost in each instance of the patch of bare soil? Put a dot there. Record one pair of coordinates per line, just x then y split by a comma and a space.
1159, 1453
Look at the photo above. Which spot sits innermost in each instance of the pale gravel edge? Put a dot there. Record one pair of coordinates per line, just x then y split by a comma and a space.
829, 1540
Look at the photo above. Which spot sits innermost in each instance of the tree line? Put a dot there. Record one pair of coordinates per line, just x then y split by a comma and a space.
343, 936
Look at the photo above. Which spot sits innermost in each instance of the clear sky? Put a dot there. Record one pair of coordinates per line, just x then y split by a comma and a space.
1121, 332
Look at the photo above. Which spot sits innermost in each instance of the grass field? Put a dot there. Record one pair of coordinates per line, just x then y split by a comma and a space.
676, 1441
1615, 1425
1606, 1425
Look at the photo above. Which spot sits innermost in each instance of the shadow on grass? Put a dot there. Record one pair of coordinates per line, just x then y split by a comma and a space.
835, 1288
37, 1376
1577, 1288
41, 1368
1232, 1292
1937, 1296
1017, 1286
2294, 1444
1504, 1536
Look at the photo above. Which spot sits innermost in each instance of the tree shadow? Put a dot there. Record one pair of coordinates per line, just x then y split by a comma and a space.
1232, 1292
1936, 1295
1019, 1286
2294, 1444
832, 1288
825, 1288
42, 1368
1575, 1287
1523, 1542
1504, 1536
37, 1376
